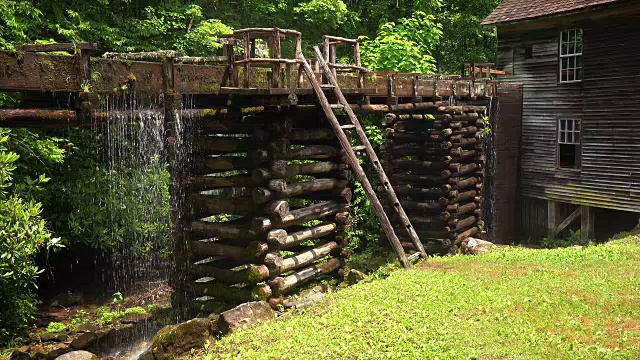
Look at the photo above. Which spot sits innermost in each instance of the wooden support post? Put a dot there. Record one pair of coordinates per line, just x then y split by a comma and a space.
275, 69
553, 216
587, 224
246, 45
300, 80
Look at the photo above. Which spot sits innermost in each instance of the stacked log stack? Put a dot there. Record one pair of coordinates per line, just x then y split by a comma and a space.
269, 202
434, 158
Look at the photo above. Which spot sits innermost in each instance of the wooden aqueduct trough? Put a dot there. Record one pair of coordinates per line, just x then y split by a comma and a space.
261, 183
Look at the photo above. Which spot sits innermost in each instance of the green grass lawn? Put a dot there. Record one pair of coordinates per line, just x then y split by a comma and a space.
512, 304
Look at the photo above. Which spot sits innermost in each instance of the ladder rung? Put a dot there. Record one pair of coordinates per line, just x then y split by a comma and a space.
327, 86
359, 148
414, 257
347, 127
337, 106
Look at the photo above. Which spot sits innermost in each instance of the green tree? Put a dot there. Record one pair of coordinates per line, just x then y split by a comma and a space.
406, 46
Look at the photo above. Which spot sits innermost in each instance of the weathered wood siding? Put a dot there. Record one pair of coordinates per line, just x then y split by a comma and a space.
607, 101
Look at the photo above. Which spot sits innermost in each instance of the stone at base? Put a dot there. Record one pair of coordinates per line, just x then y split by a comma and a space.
174, 340
58, 337
354, 276
78, 355
475, 246
245, 316
84, 341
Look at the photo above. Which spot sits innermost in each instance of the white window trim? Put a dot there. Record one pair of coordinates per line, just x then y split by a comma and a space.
575, 134
577, 141
574, 55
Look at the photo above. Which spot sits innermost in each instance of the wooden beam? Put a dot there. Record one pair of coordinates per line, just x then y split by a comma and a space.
574, 215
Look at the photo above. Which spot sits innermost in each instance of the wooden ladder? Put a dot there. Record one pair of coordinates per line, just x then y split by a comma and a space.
355, 164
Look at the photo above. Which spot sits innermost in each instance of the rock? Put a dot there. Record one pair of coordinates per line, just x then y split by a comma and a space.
57, 337
57, 349
77, 355
134, 318
475, 246
87, 328
354, 276
147, 355
66, 300
244, 316
20, 354
174, 340
84, 341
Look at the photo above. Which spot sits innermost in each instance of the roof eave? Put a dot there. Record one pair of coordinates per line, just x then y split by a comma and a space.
558, 14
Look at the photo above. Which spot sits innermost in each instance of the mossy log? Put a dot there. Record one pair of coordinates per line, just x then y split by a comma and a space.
417, 137
466, 143
225, 126
467, 155
277, 209
221, 145
437, 220
434, 207
209, 164
221, 291
464, 196
309, 135
465, 169
466, 223
252, 252
312, 152
435, 234
464, 183
313, 168
340, 194
464, 235
235, 229
414, 126
343, 218
298, 216
280, 239
469, 130
282, 285
277, 264
434, 166
251, 275
260, 156
279, 189
208, 205
418, 193
280, 169
411, 179
199, 183
466, 209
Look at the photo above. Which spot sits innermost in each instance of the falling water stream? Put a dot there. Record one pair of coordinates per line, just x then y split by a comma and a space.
131, 129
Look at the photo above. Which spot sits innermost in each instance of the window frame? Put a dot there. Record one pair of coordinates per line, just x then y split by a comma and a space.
574, 55
576, 141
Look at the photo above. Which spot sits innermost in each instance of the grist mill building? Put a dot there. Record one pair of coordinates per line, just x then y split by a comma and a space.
580, 130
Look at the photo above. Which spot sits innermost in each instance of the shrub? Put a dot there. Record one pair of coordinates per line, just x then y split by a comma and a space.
22, 235
56, 327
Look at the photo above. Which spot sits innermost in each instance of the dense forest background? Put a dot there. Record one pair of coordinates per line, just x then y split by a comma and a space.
57, 189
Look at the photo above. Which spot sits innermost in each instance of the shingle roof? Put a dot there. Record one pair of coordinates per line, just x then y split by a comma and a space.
514, 10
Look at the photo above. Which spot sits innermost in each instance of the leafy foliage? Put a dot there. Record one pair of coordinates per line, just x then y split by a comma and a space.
56, 327
22, 235
406, 46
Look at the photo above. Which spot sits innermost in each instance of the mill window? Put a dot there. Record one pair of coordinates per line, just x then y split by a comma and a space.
569, 144
571, 55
